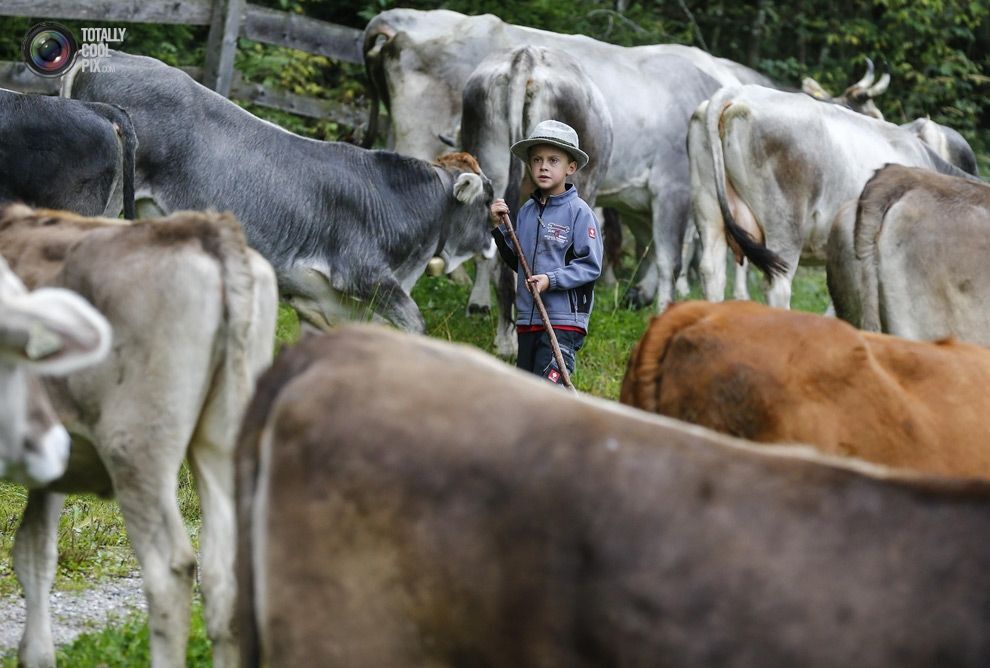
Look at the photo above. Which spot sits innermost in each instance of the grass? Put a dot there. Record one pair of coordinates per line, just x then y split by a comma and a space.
92, 539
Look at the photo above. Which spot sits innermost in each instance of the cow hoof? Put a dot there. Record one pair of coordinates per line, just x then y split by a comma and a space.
634, 299
478, 309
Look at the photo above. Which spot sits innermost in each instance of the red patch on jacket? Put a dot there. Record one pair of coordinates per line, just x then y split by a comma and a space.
592, 232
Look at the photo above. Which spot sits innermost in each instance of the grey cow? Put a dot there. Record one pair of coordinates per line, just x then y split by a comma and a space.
344, 227
66, 154
909, 256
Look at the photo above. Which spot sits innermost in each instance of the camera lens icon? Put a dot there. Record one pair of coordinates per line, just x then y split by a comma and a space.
49, 49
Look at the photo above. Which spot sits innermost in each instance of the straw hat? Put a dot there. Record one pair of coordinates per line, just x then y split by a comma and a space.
556, 134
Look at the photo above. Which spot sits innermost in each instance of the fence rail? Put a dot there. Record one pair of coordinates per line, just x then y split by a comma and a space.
228, 19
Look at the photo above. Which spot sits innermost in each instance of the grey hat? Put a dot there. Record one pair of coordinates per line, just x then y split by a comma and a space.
556, 134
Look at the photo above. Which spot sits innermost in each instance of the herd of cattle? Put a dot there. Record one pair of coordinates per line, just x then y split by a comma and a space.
378, 498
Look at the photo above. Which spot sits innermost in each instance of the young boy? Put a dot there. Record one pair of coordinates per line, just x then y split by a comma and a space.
560, 237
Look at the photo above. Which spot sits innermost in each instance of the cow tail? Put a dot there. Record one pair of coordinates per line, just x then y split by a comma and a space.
517, 96
120, 120
375, 39
762, 257
130, 150
642, 384
238, 297
871, 209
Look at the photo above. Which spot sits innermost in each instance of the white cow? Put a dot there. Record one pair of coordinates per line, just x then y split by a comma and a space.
50, 332
193, 312
770, 169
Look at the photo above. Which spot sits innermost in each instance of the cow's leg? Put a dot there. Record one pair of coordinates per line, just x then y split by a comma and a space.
612, 240
147, 493
688, 248
645, 278
779, 292
506, 344
740, 290
480, 300
714, 251
671, 204
390, 301
35, 557
211, 461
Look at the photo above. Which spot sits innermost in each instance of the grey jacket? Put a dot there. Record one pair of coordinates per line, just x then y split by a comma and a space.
562, 240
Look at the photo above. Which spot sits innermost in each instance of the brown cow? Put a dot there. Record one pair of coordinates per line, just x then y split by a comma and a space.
771, 375
406, 502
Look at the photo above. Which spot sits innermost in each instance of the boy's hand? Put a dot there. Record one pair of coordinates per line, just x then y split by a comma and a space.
498, 208
540, 281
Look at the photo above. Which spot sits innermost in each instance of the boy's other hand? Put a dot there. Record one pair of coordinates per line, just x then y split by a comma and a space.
540, 281
498, 208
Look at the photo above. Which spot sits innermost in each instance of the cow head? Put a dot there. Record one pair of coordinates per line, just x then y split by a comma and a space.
858, 97
48, 331
466, 230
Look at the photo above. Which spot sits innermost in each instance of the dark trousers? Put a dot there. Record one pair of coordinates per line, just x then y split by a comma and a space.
536, 353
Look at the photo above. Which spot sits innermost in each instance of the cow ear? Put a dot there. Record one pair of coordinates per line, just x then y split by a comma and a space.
53, 331
468, 187
814, 89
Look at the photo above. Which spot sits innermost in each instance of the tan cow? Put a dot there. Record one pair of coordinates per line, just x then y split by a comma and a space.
769, 375
407, 502
908, 257
193, 314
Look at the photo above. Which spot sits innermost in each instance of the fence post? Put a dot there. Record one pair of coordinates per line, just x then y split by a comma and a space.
221, 45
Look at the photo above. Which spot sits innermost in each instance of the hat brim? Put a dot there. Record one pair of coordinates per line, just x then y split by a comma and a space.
521, 149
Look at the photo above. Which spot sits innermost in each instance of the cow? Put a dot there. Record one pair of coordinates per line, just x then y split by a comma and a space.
193, 314
384, 521
858, 97
420, 61
777, 376
769, 170
504, 99
52, 332
349, 231
907, 257
946, 142
66, 154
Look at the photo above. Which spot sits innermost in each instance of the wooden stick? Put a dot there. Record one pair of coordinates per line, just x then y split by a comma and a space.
539, 303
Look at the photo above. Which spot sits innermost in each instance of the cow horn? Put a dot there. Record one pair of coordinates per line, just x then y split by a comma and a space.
375, 40
867, 78
879, 87
380, 40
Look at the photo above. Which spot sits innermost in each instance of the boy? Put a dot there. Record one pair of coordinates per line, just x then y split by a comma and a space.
559, 235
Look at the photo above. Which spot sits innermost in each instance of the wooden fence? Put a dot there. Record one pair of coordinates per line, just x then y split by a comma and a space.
228, 20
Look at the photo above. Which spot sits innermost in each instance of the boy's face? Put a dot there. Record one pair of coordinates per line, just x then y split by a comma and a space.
549, 166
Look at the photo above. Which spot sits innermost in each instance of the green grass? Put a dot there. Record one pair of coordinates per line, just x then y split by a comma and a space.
92, 539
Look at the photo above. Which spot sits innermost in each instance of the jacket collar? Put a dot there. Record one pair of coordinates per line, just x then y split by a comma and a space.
569, 192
